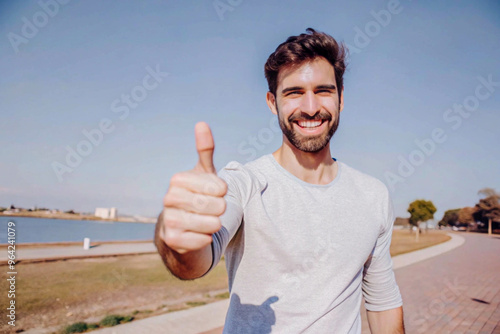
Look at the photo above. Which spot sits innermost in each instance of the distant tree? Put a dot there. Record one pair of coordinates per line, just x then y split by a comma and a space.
70, 212
420, 211
488, 192
466, 216
12, 207
488, 208
450, 218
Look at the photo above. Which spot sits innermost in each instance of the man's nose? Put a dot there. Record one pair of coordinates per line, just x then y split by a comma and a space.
310, 103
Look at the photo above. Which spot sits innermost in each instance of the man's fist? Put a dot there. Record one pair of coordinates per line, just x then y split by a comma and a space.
194, 200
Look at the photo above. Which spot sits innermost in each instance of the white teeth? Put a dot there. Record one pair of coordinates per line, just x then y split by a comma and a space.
309, 124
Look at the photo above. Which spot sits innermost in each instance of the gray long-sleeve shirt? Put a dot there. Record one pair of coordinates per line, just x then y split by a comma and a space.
300, 256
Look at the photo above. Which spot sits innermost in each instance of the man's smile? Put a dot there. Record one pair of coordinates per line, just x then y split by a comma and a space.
310, 124
311, 127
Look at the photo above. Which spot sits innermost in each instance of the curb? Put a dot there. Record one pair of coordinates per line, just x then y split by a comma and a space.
73, 257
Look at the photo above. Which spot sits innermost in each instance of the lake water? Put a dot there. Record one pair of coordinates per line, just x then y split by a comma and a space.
57, 230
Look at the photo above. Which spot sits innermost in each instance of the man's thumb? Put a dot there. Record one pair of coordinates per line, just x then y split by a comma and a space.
205, 147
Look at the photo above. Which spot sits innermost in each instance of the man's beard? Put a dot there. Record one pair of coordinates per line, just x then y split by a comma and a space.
311, 144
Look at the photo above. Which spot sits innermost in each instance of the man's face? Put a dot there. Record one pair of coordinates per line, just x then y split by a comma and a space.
307, 104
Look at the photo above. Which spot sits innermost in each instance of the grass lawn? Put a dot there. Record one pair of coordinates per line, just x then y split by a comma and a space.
403, 241
64, 292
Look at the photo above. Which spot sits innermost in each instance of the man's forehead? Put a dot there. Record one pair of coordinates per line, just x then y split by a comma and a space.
317, 69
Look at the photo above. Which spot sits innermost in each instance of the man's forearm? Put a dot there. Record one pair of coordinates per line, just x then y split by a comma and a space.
186, 266
386, 322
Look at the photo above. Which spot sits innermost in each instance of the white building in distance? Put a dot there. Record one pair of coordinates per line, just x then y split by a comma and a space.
106, 213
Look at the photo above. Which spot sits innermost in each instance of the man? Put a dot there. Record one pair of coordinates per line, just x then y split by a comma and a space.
305, 236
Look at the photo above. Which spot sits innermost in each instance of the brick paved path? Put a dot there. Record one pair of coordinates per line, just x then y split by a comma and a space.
457, 292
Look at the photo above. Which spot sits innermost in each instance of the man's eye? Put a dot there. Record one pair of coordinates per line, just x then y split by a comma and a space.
324, 91
295, 92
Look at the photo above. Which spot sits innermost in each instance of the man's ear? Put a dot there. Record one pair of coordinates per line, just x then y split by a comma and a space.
271, 102
341, 100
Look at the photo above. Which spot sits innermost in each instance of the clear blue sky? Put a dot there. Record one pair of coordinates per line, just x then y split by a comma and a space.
403, 76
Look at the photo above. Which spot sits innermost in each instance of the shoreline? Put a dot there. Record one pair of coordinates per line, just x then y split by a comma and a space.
70, 216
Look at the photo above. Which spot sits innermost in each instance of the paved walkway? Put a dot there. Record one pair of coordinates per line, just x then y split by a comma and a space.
26, 254
456, 292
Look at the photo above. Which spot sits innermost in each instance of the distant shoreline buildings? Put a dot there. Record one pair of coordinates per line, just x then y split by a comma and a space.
106, 213
98, 214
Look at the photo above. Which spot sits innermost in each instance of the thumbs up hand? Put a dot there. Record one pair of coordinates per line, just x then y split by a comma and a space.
194, 200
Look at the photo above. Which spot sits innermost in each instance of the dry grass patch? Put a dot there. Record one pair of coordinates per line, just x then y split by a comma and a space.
403, 241
63, 292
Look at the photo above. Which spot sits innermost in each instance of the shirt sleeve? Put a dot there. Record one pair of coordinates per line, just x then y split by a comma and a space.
379, 286
239, 189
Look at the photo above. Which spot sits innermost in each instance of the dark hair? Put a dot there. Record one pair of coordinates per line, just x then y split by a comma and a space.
308, 46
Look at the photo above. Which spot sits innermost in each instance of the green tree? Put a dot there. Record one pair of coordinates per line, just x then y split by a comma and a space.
420, 211
450, 218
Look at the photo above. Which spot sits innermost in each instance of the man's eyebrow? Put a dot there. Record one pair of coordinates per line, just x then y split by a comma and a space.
333, 87
289, 89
